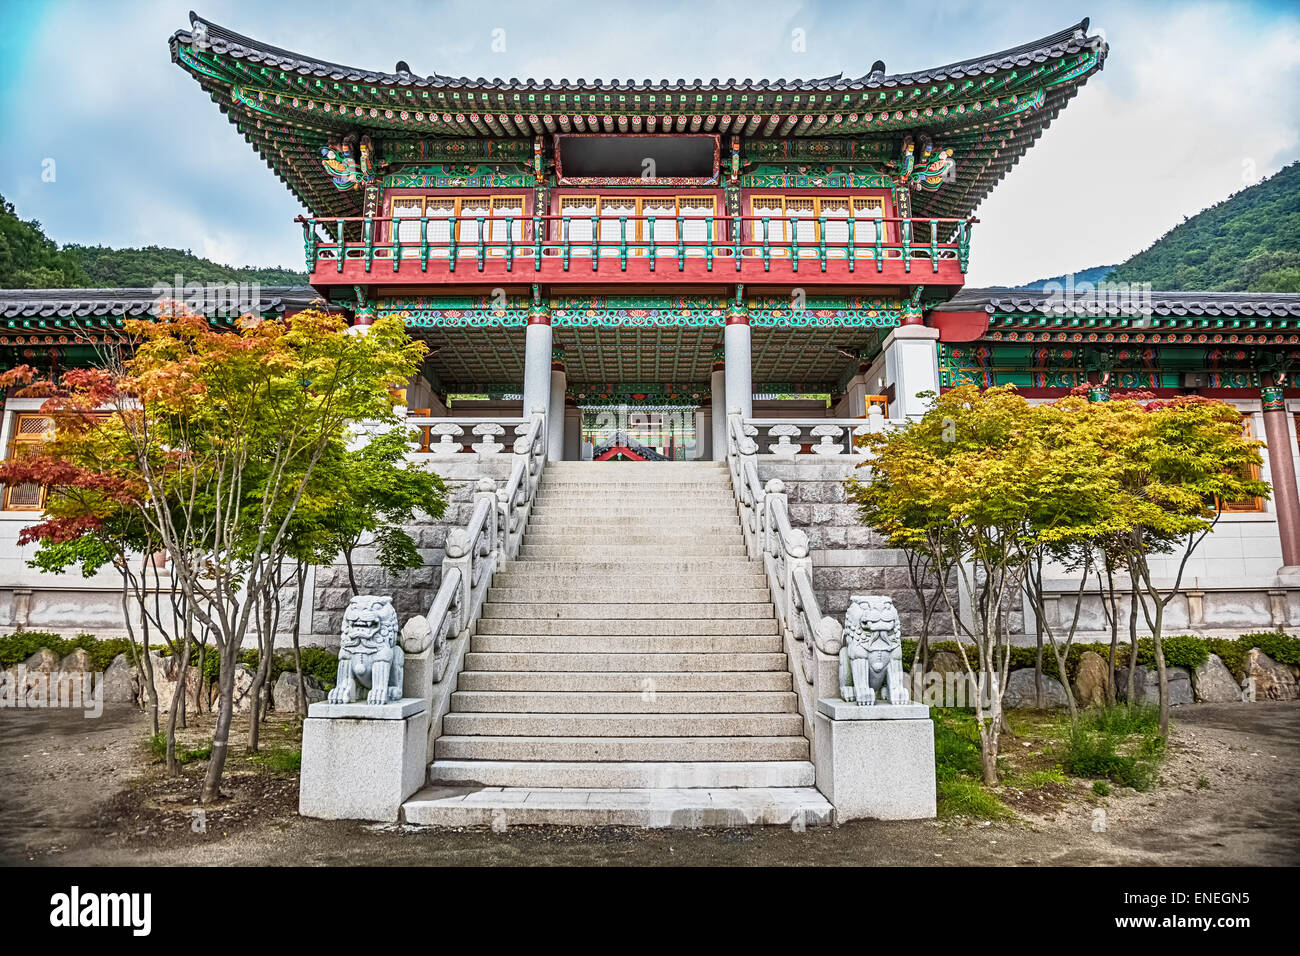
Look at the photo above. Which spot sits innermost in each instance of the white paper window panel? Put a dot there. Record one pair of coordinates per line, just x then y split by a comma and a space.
579, 213
409, 229
513, 209
696, 230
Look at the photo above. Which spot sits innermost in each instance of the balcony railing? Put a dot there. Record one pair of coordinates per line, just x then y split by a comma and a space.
867, 249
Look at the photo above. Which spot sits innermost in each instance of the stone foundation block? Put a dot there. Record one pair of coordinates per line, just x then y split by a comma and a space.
361, 762
875, 762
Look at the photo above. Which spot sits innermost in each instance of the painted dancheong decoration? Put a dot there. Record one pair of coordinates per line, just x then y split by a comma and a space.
370, 657
871, 660
351, 163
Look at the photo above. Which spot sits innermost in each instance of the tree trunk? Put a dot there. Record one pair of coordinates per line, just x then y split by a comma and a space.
1113, 613
1133, 641
221, 733
1161, 671
301, 574
352, 576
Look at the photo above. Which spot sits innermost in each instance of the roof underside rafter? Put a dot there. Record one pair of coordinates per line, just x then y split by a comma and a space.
989, 110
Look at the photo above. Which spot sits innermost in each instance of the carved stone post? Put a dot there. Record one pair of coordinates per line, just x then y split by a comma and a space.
486, 490
460, 555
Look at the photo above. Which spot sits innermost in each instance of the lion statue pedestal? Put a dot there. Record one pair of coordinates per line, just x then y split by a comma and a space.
364, 748
873, 748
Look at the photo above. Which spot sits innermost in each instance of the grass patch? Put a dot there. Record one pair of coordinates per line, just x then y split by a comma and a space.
158, 747
1035, 779
279, 760
1101, 788
962, 797
1117, 744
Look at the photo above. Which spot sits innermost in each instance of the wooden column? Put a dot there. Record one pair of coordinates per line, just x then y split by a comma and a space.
1281, 466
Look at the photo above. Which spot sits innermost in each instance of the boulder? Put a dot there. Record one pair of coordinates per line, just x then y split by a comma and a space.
284, 695
1091, 680
1146, 685
1022, 691
78, 662
166, 676
1214, 683
1272, 681
121, 683
243, 688
44, 660
949, 662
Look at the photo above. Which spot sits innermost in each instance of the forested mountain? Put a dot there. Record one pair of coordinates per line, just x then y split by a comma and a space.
31, 260
1093, 275
1250, 242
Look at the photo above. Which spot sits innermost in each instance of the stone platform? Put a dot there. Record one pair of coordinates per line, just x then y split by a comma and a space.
658, 808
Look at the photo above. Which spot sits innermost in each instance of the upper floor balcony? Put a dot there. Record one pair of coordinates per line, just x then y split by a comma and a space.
445, 250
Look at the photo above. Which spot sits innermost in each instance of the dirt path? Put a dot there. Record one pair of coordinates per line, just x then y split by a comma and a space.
83, 791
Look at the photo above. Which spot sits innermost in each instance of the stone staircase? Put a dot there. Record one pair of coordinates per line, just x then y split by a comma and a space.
626, 669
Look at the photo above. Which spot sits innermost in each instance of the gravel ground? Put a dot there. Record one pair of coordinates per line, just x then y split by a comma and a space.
81, 791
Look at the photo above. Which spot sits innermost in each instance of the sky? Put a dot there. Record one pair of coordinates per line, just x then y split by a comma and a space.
107, 142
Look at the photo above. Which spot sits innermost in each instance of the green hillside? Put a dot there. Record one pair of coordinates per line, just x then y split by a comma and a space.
1250, 242
31, 260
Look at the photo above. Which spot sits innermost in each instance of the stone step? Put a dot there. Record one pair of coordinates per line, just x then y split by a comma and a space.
605, 595
604, 749
657, 610
715, 683
700, 489
675, 471
558, 552
657, 808
679, 775
686, 627
690, 568
700, 480
646, 664
635, 702
623, 644
622, 578
622, 725
595, 536
666, 523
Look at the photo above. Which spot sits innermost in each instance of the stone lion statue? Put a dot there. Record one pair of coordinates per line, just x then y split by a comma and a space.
871, 659
369, 654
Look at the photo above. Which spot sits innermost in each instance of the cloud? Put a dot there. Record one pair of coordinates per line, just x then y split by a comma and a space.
1189, 96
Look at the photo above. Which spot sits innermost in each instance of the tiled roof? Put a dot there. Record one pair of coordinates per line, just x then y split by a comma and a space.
1072, 39
988, 109
1279, 305
18, 304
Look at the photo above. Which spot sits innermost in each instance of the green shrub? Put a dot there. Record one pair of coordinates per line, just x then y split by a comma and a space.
321, 664
1101, 788
20, 645
1283, 648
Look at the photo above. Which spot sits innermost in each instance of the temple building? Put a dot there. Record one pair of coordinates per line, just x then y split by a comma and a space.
632, 259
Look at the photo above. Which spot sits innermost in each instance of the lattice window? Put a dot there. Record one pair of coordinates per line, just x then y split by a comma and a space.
637, 209
810, 210
466, 210
30, 432
1249, 505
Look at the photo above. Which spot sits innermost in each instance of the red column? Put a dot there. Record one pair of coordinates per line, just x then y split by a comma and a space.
1281, 466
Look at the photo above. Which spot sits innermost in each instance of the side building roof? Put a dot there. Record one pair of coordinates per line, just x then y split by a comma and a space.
41, 313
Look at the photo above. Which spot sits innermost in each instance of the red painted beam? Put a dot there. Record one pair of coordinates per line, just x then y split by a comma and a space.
610, 270
959, 326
